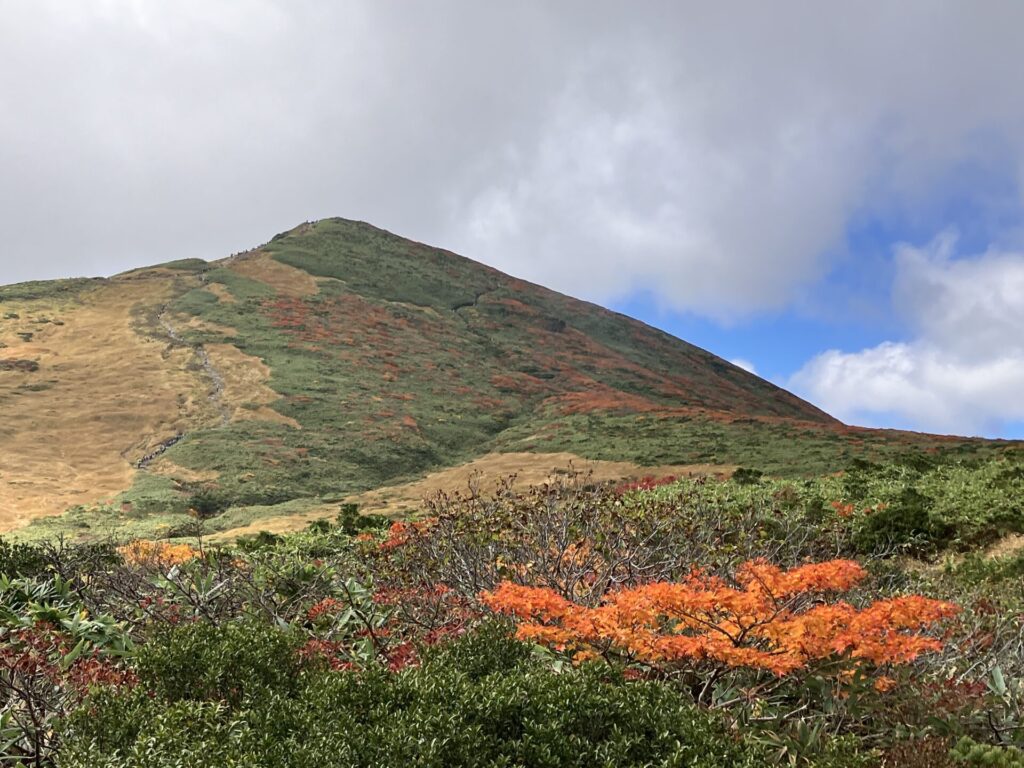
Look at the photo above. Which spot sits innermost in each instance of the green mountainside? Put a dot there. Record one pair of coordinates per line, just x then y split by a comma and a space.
215, 548
339, 358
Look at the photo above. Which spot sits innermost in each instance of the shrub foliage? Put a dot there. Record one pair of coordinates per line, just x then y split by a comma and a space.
684, 623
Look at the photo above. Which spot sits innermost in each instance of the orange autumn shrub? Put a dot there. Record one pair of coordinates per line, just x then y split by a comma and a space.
400, 533
162, 554
764, 619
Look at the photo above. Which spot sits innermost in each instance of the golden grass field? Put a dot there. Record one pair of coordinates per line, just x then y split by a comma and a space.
106, 392
287, 281
102, 397
485, 472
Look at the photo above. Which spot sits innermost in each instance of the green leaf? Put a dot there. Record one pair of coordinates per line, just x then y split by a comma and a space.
998, 682
72, 657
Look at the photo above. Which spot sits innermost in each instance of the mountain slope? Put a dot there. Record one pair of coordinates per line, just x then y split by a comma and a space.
339, 358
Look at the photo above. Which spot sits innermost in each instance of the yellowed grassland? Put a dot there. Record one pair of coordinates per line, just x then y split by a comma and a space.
103, 396
486, 472
287, 281
245, 384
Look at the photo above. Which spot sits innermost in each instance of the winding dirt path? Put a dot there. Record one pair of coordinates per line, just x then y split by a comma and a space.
216, 395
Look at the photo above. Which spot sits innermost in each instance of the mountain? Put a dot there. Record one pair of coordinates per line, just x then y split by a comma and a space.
339, 358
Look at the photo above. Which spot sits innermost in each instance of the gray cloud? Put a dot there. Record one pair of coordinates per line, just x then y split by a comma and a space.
712, 154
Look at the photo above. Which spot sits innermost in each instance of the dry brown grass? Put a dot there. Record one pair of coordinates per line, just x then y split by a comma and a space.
1009, 545
245, 384
164, 466
529, 469
221, 292
103, 396
280, 524
287, 281
485, 472
199, 324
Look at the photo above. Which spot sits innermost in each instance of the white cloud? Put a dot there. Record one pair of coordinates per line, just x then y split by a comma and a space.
964, 370
718, 164
973, 307
746, 365
711, 155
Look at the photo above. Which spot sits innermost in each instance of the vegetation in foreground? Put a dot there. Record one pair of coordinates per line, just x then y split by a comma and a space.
851, 620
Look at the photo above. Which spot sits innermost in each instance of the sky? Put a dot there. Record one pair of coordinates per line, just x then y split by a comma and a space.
828, 194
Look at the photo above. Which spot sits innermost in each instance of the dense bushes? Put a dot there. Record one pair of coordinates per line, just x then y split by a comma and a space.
203, 662
346, 644
483, 701
51, 654
763, 619
903, 523
654, 531
968, 752
923, 507
583, 540
21, 559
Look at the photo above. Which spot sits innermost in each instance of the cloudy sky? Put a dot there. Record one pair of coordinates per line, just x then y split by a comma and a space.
828, 193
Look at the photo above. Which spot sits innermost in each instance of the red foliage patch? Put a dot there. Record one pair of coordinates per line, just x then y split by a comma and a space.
644, 484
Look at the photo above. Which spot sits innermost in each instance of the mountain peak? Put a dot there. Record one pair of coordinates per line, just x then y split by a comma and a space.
339, 358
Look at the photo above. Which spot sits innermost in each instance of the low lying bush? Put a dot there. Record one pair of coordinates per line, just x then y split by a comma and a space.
583, 540
763, 619
481, 701
198, 661
925, 507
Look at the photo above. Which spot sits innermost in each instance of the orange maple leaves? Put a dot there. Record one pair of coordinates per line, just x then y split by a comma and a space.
766, 619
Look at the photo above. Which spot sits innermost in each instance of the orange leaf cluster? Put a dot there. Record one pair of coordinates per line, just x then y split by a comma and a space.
767, 619
401, 532
157, 553
843, 510
848, 510
326, 607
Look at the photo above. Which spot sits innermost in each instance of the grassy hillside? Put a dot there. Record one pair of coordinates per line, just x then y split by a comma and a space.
339, 358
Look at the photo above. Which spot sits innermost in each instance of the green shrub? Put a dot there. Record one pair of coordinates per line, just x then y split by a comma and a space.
976, 568
319, 526
21, 560
351, 522
262, 540
930, 505
508, 710
133, 729
207, 503
203, 662
489, 650
968, 752
903, 524
747, 476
